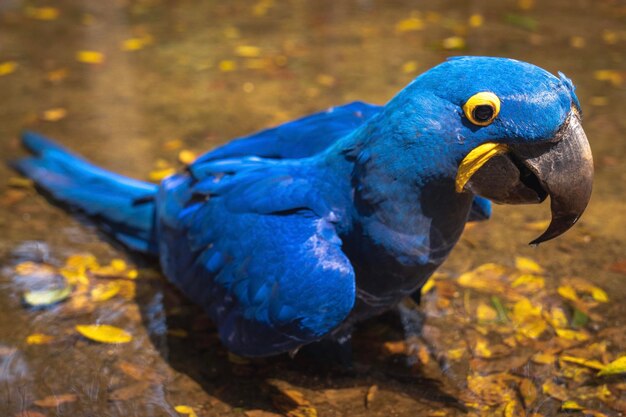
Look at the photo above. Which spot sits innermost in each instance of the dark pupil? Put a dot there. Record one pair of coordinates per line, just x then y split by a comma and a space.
483, 113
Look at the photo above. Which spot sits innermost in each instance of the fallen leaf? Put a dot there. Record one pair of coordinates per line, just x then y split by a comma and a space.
106, 291
372, 391
90, 57
186, 157
486, 313
248, 51
44, 298
160, 174
38, 339
7, 67
528, 391
579, 336
476, 20
57, 75
514, 409
104, 333
527, 265
135, 44
140, 373
129, 392
555, 391
260, 413
593, 364
227, 65
616, 367
409, 25
453, 43
543, 358
42, 13
571, 406
56, 400
54, 115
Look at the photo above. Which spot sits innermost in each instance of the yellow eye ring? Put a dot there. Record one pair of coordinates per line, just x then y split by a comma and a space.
482, 108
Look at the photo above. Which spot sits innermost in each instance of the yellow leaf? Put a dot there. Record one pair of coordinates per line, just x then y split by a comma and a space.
513, 409
486, 278
57, 75
543, 358
612, 76
616, 367
127, 289
186, 157
486, 313
42, 13
39, 339
172, 145
481, 349
103, 292
160, 174
572, 335
529, 283
7, 67
409, 67
90, 57
248, 51
227, 65
557, 318
185, 409
326, 80
476, 20
43, 298
55, 114
582, 361
525, 4
577, 42
567, 292
610, 37
453, 43
528, 318
571, 406
599, 294
135, 44
454, 354
85, 260
556, 391
527, 265
410, 24
104, 333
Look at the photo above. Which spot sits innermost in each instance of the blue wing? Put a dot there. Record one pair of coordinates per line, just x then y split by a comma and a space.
300, 138
258, 249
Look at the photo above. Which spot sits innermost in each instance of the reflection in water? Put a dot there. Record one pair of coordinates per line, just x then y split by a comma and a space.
186, 76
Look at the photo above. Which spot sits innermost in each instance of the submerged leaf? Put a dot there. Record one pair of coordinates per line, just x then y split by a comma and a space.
38, 339
616, 367
56, 400
43, 298
103, 292
7, 67
90, 57
527, 265
104, 333
185, 409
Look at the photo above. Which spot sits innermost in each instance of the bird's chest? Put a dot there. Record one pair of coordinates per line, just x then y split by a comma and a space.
394, 259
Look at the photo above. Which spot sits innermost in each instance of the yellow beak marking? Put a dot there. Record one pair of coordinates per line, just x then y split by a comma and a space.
476, 159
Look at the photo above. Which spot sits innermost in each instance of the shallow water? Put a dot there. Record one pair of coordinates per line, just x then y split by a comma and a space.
184, 82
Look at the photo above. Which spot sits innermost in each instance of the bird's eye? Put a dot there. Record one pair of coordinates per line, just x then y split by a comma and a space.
482, 108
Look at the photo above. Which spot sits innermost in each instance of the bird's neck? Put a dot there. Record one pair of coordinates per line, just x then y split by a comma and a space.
401, 203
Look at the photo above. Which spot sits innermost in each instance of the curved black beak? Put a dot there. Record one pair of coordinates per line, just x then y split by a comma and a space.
565, 171
561, 168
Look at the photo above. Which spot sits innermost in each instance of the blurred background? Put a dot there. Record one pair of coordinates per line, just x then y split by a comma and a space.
143, 86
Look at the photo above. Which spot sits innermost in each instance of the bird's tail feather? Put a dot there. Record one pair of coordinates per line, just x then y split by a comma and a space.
124, 206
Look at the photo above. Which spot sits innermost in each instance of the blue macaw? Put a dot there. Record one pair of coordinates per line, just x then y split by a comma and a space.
292, 235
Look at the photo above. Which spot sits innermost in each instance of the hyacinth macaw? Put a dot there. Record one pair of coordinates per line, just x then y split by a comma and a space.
293, 234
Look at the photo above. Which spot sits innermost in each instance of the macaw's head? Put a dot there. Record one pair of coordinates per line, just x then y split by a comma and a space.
505, 130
